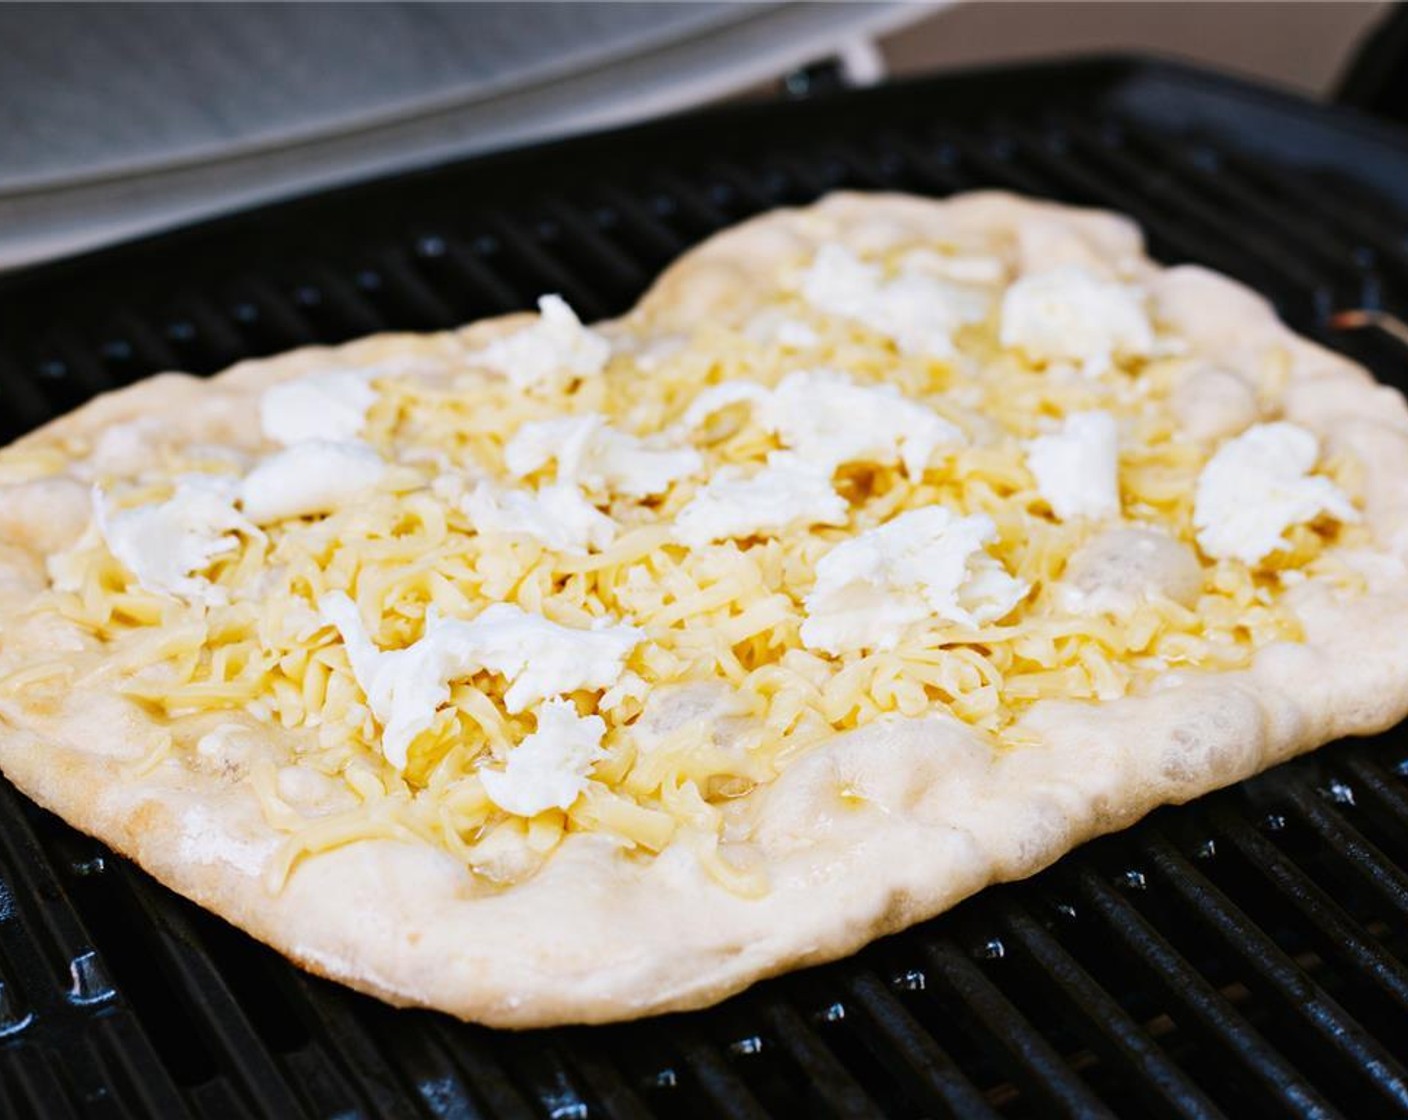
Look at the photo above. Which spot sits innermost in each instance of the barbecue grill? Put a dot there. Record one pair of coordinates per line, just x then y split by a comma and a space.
1245, 955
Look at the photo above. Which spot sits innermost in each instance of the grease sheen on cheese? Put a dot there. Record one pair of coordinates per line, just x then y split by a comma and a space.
920, 313
313, 477
787, 493
548, 353
1259, 485
167, 544
548, 769
1070, 314
1076, 467
926, 564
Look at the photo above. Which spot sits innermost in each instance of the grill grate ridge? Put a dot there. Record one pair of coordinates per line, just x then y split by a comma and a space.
1187, 968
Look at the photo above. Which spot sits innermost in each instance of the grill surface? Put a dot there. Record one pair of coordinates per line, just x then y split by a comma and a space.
1244, 955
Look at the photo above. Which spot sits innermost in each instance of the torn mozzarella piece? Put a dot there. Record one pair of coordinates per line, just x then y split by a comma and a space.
1076, 467
594, 455
548, 353
406, 687
557, 516
918, 312
789, 492
827, 419
548, 769
1125, 567
167, 544
1070, 314
539, 658
925, 564
324, 406
1256, 487
312, 477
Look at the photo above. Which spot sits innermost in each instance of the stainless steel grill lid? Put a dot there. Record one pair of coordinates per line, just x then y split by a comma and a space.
121, 119
1246, 955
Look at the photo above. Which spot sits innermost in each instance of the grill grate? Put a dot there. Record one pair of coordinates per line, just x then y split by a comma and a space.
1244, 955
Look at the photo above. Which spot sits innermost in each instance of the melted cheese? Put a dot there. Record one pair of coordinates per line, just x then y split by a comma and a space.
1259, 485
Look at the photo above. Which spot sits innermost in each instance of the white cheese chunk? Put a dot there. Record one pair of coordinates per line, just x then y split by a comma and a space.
166, 545
918, 312
1256, 487
548, 769
1077, 466
557, 516
1070, 314
827, 419
405, 687
789, 492
594, 455
549, 353
925, 564
313, 477
539, 658
326, 406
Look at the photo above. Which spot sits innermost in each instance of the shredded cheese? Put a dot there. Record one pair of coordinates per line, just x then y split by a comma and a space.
863, 500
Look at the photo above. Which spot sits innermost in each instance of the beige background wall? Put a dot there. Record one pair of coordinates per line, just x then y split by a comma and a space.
1300, 45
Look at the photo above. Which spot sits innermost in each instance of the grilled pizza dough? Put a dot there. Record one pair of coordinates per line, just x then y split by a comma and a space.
885, 808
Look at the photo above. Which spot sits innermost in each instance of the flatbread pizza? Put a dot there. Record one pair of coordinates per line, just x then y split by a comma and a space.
541, 672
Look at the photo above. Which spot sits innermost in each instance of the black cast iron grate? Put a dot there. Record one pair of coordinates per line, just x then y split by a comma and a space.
1244, 955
